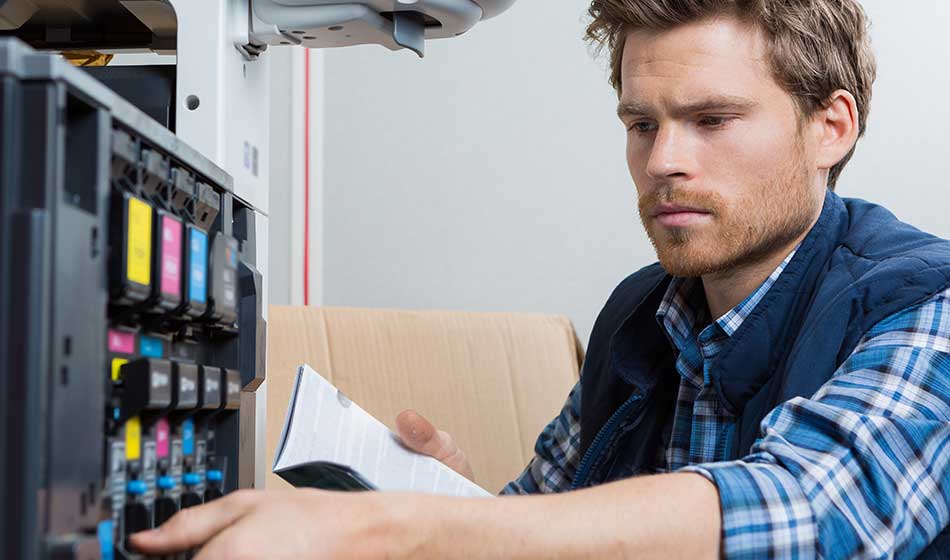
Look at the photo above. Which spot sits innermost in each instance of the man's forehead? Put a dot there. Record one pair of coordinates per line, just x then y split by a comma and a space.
710, 59
712, 45
719, 35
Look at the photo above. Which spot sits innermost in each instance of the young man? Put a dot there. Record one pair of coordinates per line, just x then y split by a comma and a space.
779, 383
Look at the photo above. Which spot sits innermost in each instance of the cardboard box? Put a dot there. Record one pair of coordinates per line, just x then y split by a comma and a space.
492, 380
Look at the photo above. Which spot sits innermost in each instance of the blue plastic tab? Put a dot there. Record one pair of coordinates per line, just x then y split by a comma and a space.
215, 475
188, 437
166, 482
106, 540
136, 487
191, 479
198, 266
150, 347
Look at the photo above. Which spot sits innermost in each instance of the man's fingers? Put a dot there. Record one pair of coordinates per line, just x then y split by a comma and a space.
421, 436
194, 526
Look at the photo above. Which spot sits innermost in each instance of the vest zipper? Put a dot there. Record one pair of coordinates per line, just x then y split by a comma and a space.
603, 436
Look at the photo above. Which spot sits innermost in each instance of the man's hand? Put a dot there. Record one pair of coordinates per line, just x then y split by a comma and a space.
420, 435
292, 524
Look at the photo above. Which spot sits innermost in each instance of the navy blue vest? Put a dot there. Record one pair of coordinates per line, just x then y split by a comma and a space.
858, 265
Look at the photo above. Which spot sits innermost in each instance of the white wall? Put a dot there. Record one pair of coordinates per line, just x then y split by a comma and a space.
491, 176
286, 240
904, 160
281, 191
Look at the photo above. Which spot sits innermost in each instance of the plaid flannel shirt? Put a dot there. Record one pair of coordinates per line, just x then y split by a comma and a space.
862, 468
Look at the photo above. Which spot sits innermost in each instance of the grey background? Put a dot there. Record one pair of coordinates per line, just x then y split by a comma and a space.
491, 174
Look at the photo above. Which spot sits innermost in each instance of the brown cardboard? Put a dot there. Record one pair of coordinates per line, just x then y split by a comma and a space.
492, 380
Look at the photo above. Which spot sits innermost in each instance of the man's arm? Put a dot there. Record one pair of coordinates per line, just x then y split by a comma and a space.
664, 516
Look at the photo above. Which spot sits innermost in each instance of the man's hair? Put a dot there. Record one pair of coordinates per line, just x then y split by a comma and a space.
814, 46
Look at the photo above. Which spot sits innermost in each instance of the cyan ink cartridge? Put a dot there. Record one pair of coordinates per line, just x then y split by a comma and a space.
223, 275
195, 279
169, 248
131, 249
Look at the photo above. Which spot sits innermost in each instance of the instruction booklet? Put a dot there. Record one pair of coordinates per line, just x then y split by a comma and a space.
329, 442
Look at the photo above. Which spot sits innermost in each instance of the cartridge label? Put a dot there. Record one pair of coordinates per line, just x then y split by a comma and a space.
198, 266
171, 256
117, 364
188, 436
139, 258
161, 438
133, 439
150, 347
121, 342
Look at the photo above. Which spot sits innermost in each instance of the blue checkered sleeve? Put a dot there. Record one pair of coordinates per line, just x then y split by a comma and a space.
860, 469
556, 453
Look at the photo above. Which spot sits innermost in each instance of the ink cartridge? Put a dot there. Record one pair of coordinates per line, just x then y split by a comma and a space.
185, 377
195, 279
146, 386
232, 389
131, 249
223, 276
169, 235
209, 388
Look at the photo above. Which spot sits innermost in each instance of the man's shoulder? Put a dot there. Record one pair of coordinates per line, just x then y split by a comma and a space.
882, 241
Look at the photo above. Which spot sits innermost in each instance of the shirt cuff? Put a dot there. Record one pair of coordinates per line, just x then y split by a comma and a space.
765, 513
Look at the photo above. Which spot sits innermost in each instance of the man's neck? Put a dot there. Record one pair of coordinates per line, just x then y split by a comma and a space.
726, 289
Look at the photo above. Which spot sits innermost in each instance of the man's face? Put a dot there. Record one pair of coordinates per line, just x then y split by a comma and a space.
724, 167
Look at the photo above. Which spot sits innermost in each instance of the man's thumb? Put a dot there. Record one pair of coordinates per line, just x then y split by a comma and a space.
420, 435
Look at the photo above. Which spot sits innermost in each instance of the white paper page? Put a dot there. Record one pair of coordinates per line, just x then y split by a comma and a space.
326, 426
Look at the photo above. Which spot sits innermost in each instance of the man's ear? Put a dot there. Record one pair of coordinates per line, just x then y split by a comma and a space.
837, 127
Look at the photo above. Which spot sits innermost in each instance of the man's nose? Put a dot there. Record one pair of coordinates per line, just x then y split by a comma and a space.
671, 154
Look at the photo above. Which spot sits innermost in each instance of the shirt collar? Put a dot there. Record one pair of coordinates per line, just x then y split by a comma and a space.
683, 310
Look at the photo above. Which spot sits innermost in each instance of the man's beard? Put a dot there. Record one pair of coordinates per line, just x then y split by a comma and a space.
759, 223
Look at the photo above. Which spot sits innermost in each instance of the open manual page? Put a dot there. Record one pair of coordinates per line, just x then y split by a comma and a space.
329, 442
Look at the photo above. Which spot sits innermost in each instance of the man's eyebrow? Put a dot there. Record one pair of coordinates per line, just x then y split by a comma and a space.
716, 103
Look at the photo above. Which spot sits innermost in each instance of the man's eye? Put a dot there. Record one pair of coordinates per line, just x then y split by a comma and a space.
713, 121
641, 127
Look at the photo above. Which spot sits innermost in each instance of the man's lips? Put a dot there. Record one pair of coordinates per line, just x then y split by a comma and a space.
676, 215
